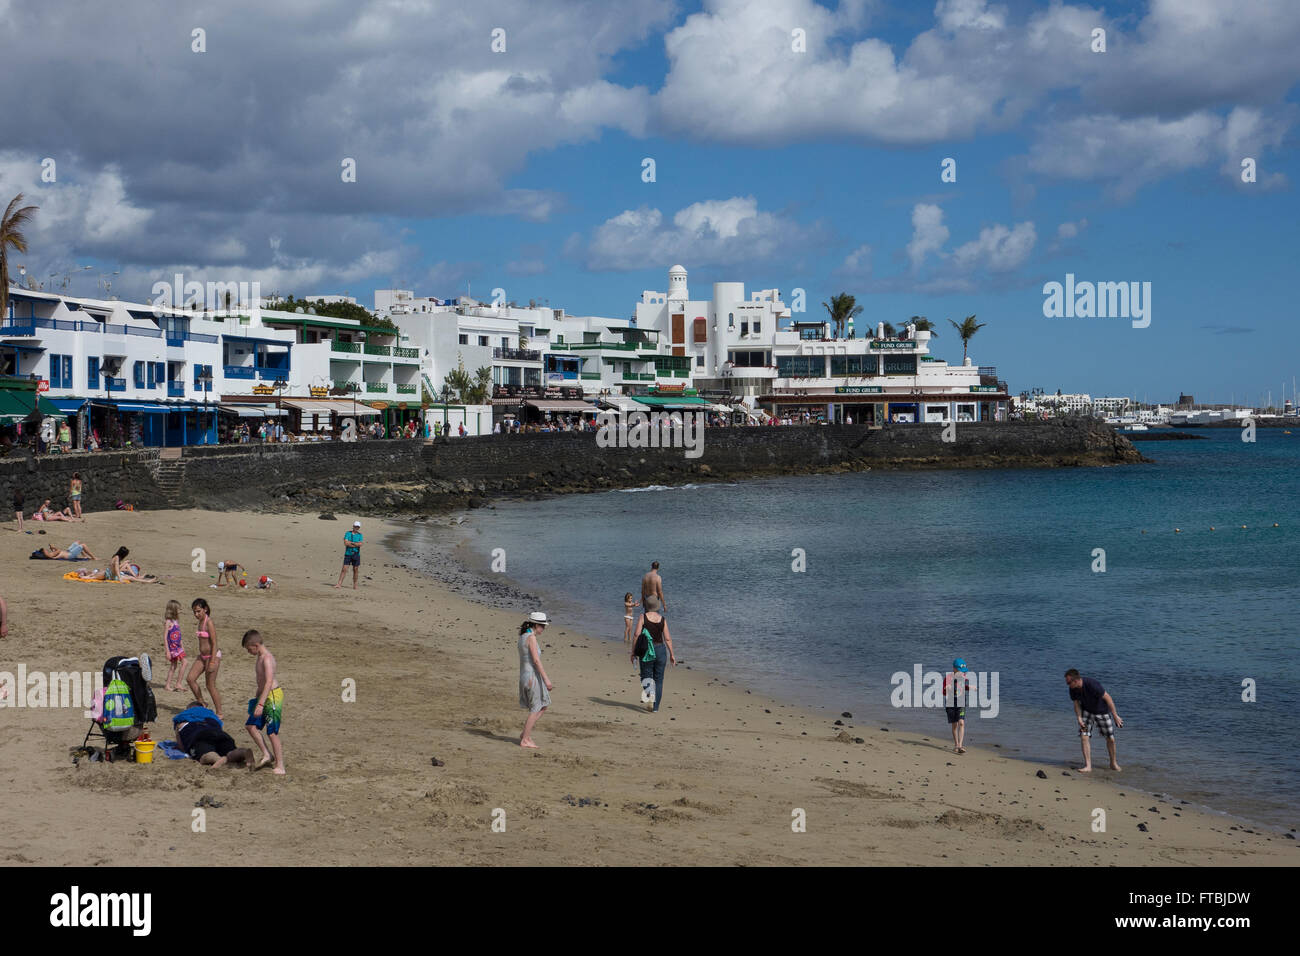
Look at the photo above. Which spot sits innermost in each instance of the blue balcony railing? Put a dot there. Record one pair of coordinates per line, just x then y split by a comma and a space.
115, 384
272, 373
240, 371
175, 389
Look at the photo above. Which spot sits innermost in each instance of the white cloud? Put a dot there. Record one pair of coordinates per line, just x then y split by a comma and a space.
710, 232
997, 249
928, 233
856, 263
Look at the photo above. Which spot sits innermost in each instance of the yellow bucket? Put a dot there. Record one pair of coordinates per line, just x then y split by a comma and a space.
144, 751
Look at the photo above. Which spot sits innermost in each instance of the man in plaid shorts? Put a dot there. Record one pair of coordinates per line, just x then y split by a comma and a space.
1093, 705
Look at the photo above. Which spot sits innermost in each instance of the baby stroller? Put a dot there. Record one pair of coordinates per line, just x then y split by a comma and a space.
128, 706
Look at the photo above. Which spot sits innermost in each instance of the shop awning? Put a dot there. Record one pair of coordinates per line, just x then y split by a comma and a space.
144, 408
322, 406
69, 406
624, 403
17, 405
560, 405
675, 403
253, 411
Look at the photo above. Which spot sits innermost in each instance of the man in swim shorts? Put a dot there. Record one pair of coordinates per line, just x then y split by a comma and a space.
653, 586
1092, 704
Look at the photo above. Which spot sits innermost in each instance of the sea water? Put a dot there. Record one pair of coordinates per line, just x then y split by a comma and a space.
999, 567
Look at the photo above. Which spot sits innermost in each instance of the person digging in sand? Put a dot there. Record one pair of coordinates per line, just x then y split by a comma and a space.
1093, 705
534, 686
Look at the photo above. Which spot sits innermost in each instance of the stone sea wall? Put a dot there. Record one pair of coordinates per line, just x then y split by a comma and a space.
399, 475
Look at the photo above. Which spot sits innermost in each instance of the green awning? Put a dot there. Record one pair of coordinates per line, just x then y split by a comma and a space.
674, 402
19, 405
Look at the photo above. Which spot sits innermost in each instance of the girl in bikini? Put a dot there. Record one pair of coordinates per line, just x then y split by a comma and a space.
628, 607
209, 661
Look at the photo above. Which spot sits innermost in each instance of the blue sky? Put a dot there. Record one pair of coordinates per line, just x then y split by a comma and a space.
817, 169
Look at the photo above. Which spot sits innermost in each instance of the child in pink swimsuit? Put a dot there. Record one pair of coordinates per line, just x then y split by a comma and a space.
209, 661
175, 648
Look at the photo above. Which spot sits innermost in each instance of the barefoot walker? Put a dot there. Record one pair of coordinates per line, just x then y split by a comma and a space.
1093, 704
534, 685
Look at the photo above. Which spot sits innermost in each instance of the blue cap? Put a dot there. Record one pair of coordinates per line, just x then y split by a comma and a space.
959, 664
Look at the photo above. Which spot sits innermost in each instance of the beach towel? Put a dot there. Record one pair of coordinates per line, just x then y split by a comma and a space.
72, 576
173, 750
39, 555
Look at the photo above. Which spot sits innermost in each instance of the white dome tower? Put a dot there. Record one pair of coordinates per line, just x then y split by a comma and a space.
677, 291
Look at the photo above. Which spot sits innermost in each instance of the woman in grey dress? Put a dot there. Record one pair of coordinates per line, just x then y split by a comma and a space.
534, 685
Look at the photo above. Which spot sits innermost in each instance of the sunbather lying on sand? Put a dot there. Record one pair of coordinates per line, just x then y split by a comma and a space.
75, 552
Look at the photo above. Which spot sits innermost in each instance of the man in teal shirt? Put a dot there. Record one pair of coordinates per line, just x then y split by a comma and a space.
351, 554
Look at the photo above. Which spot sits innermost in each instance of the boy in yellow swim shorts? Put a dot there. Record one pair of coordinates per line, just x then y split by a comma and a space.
266, 709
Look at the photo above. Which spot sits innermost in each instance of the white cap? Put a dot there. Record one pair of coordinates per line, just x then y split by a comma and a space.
356, 524
221, 565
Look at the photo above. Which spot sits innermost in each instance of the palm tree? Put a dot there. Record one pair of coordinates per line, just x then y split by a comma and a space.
11, 223
967, 331
924, 325
842, 307
890, 331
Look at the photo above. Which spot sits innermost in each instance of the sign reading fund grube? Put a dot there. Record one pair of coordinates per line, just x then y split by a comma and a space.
899, 364
858, 389
882, 345
983, 388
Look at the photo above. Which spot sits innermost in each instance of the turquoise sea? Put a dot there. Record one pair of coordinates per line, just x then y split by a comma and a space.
906, 569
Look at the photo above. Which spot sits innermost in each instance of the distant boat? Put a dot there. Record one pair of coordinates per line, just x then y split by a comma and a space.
1137, 427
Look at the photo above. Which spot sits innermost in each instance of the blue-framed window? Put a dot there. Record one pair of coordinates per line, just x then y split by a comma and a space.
92, 372
137, 374
60, 371
199, 372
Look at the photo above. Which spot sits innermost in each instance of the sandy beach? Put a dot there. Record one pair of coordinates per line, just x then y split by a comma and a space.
714, 778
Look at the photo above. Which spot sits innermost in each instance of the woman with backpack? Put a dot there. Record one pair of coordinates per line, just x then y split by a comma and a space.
654, 649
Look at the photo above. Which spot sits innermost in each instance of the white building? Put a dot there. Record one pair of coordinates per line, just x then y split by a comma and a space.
737, 347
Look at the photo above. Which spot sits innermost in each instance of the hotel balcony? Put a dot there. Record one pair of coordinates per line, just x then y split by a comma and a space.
344, 385
115, 384
239, 371
337, 346
405, 389
517, 355
175, 389
384, 350
376, 388
405, 354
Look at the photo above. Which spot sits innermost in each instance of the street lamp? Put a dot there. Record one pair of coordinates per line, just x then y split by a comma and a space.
206, 381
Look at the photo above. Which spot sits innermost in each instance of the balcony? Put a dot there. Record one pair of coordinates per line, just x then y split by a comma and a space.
175, 389
405, 389
518, 355
591, 376
616, 346
274, 374
403, 353
337, 346
384, 350
240, 371
115, 384
343, 385
377, 388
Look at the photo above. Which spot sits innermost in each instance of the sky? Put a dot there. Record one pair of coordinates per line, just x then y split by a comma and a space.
795, 145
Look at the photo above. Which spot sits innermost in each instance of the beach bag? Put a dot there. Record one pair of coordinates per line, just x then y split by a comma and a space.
119, 711
645, 647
